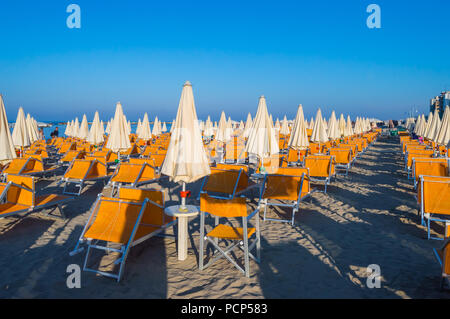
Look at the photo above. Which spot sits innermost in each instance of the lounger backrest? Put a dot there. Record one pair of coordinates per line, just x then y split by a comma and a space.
235, 207
101, 159
35, 164
15, 166
341, 155
115, 220
293, 155
98, 169
430, 167
297, 171
148, 173
434, 192
78, 169
24, 194
141, 161
282, 187
73, 154
222, 181
158, 159
416, 153
126, 173
154, 215
320, 166
232, 167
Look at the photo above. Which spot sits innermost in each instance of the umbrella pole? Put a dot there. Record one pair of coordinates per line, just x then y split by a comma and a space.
183, 199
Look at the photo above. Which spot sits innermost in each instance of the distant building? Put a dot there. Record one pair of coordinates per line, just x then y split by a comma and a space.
440, 102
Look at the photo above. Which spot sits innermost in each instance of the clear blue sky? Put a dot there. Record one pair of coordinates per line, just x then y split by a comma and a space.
318, 53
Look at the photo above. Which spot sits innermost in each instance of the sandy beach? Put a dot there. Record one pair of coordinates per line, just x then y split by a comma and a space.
369, 217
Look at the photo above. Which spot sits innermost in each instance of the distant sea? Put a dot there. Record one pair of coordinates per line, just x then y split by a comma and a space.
62, 128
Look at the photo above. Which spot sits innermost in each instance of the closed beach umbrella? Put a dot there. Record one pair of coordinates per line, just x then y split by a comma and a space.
319, 133
348, 127
95, 135
299, 136
172, 126
186, 160
434, 126
83, 132
223, 132
341, 125
284, 126
67, 130
7, 151
428, 125
248, 126
102, 128
262, 141
75, 127
164, 128
443, 136
156, 130
333, 127
20, 133
119, 137
144, 132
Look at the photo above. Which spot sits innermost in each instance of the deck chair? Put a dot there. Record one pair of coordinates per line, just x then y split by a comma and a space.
443, 257
133, 151
18, 197
71, 155
35, 166
224, 184
239, 236
343, 159
321, 168
430, 167
287, 190
433, 194
410, 155
81, 171
124, 222
132, 175
15, 167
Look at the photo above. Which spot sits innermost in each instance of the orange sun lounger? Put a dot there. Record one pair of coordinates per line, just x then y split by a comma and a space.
127, 221
321, 168
433, 194
18, 197
132, 175
81, 171
285, 190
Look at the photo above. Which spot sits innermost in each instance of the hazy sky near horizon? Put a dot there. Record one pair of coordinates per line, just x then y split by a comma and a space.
317, 53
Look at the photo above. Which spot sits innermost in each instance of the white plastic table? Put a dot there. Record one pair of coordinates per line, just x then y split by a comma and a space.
183, 218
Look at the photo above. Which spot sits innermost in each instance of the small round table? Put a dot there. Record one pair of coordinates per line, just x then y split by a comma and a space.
183, 218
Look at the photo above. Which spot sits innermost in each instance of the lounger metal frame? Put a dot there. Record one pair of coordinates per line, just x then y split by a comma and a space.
295, 205
124, 249
80, 182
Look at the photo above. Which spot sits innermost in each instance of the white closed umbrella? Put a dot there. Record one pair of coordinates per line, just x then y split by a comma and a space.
319, 133
333, 127
348, 127
434, 125
164, 128
95, 135
223, 132
102, 128
7, 151
119, 139
262, 140
172, 126
144, 132
341, 125
83, 132
186, 160
284, 126
299, 135
443, 136
75, 128
248, 126
67, 130
156, 131
20, 133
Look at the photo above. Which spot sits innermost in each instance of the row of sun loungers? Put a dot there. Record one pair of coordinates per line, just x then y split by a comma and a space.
428, 166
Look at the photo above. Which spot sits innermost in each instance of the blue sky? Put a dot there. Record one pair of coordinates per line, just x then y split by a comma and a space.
141, 52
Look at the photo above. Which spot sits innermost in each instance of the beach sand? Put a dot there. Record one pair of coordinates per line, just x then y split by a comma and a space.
369, 217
